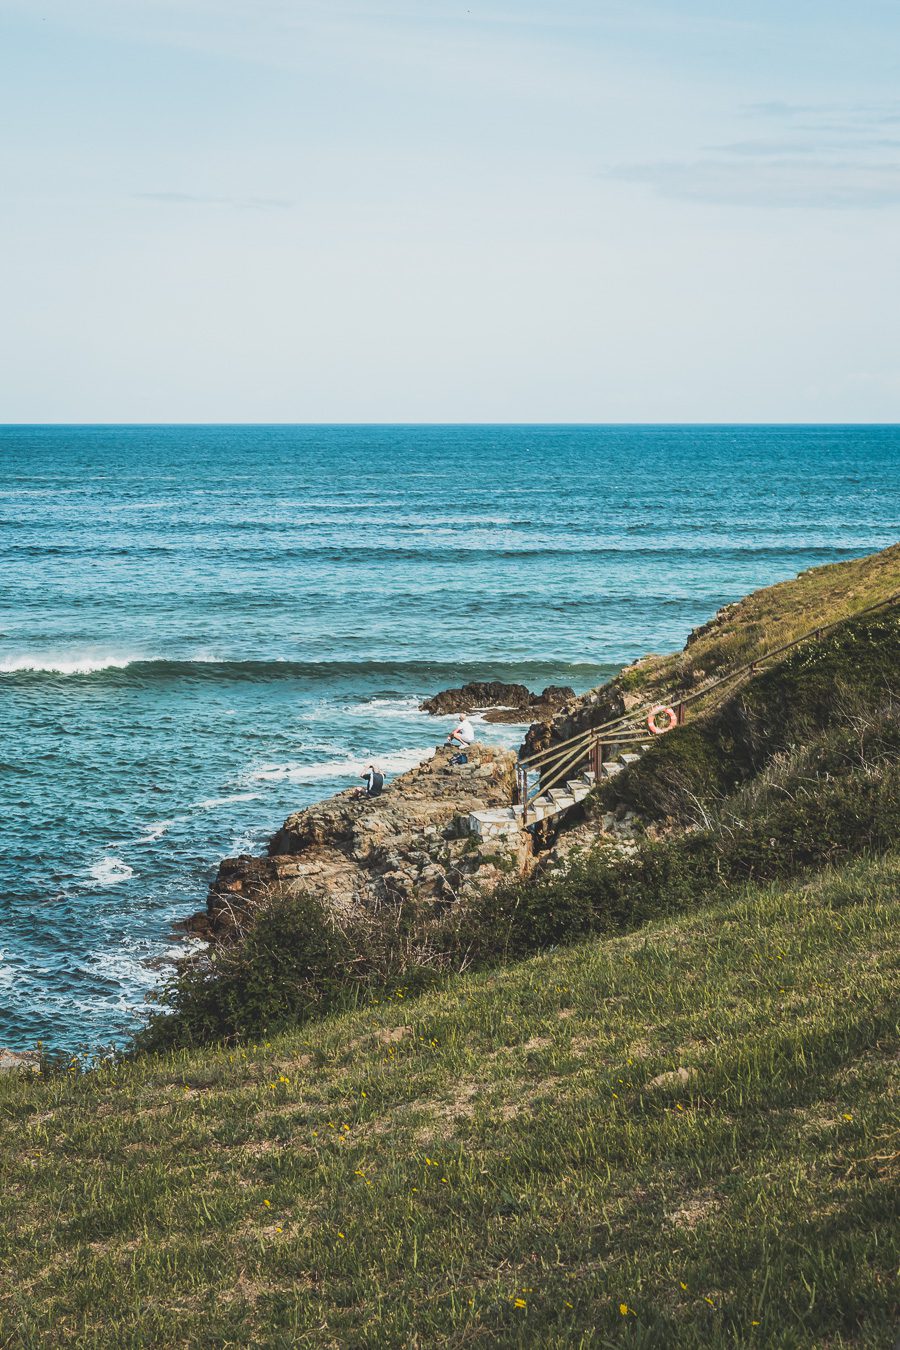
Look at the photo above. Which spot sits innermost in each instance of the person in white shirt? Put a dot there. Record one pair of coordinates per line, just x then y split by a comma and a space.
463, 735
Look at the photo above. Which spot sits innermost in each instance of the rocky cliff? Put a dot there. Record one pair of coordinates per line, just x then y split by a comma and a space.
356, 852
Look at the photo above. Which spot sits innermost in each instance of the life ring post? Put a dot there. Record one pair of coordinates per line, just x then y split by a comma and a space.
661, 710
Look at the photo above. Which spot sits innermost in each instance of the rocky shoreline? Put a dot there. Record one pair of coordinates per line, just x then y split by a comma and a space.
357, 854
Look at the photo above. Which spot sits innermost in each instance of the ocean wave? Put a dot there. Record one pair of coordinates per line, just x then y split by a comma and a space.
497, 550
63, 665
122, 669
347, 766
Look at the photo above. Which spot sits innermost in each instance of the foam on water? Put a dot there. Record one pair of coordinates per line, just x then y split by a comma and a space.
386, 707
155, 831
346, 766
212, 802
110, 871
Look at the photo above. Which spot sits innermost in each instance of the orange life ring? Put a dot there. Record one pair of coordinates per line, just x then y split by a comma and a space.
661, 711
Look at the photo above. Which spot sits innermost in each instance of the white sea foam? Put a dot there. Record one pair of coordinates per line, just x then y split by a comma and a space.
110, 871
126, 969
226, 801
64, 665
385, 707
155, 831
7, 974
349, 767
249, 840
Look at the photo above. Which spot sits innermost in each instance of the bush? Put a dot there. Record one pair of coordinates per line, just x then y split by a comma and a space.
295, 964
806, 823
291, 963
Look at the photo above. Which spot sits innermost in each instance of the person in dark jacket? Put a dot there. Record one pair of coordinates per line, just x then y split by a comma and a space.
374, 782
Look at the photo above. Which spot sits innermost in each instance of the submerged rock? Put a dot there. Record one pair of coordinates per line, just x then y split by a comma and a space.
499, 701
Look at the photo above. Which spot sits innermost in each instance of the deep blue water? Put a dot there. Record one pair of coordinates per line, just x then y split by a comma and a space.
203, 628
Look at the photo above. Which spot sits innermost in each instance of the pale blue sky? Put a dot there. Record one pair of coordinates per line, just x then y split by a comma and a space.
284, 210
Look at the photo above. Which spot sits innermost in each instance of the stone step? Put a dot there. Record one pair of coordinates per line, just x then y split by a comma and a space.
495, 822
610, 770
629, 759
589, 776
559, 796
576, 789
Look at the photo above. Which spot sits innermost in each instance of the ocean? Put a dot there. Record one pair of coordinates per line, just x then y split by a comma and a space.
203, 628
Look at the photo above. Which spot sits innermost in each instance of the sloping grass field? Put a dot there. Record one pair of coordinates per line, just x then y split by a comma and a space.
769, 617
682, 1136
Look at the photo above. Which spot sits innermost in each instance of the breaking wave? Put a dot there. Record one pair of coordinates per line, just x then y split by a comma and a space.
140, 670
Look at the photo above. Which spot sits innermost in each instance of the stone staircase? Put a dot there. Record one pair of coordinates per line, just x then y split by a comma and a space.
498, 821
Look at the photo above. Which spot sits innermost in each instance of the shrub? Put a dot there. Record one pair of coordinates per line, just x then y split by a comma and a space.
292, 962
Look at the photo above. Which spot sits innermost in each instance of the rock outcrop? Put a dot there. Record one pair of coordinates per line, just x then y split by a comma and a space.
499, 701
20, 1061
353, 852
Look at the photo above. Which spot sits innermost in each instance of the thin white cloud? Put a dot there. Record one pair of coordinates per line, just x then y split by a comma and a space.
830, 155
195, 199
799, 183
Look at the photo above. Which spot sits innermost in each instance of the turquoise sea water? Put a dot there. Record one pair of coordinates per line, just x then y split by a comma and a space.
204, 628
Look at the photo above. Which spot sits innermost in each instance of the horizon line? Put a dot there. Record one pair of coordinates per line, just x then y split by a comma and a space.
469, 423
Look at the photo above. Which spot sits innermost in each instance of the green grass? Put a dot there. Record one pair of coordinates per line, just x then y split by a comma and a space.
768, 618
494, 1163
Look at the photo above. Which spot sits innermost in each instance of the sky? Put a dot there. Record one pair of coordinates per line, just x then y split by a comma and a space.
491, 210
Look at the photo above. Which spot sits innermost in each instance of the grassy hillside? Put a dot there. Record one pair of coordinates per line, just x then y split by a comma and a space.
768, 618
848, 681
678, 1137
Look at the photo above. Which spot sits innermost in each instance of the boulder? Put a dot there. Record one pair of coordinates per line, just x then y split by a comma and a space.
503, 702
